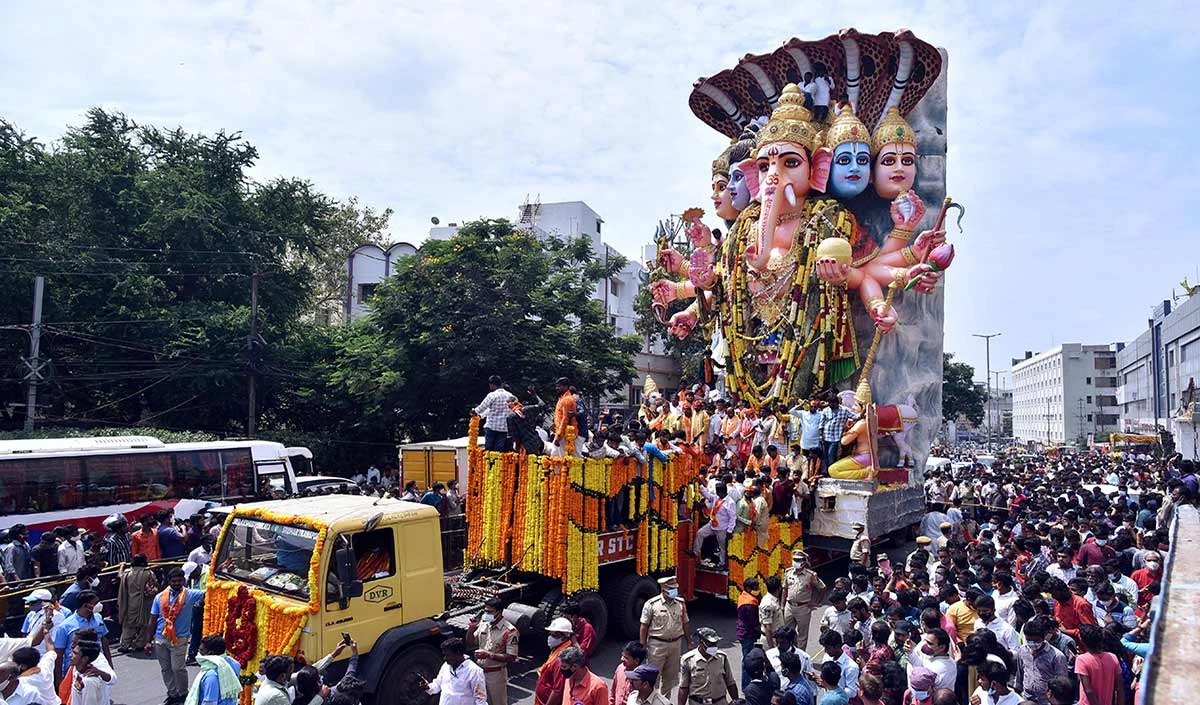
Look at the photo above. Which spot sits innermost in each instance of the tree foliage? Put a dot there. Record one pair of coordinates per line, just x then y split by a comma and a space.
490, 300
147, 239
960, 395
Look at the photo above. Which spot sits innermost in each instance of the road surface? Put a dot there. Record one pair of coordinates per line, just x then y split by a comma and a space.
140, 682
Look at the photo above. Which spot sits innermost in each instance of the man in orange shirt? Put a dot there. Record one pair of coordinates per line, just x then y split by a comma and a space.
145, 540
580, 685
1071, 610
565, 416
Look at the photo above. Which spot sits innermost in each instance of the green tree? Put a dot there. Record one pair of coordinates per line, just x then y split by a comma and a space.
490, 300
148, 239
959, 393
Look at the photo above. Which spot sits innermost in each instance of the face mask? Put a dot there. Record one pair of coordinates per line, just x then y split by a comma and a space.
1101, 542
1114, 577
1153, 566
1037, 647
567, 672
920, 694
711, 650
553, 641
99, 610
797, 564
95, 582
488, 617
673, 593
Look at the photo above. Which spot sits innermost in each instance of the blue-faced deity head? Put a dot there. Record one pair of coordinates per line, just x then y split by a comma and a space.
851, 169
850, 165
738, 188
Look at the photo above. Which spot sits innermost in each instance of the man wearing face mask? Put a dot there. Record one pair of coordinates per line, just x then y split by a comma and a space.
494, 639
706, 677
15, 691
802, 590
1038, 663
549, 687
1096, 551
580, 685
85, 579
37, 602
1147, 576
87, 616
664, 623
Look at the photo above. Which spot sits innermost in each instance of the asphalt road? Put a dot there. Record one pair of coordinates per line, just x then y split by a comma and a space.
140, 682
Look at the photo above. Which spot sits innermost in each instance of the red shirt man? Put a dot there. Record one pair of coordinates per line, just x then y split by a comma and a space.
1070, 610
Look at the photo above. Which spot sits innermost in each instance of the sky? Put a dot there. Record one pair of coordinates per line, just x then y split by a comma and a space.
1073, 128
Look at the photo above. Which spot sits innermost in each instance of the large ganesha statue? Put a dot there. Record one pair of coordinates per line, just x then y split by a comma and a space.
812, 251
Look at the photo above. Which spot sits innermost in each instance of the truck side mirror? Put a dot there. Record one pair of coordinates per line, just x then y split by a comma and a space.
351, 586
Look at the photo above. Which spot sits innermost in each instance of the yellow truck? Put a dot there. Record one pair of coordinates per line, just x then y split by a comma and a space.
334, 564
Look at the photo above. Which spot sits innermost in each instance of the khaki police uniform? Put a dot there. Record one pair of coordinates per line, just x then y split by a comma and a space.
802, 586
708, 679
498, 637
770, 615
664, 620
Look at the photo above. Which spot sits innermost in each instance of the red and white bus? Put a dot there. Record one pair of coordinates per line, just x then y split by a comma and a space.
46, 483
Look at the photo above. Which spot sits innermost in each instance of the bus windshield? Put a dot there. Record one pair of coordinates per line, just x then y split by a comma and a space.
273, 556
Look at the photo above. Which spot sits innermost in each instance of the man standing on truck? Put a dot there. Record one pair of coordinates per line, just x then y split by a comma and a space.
706, 677
494, 412
802, 589
494, 640
566, 415
664, 623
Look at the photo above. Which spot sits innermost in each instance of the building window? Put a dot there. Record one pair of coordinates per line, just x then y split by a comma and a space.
1170, 359
365, 292
1089, 418
597, 226
1089, 399
1089, 380
612, 321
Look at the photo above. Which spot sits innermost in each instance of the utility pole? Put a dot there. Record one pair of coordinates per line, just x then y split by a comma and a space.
1047, 420
32, 362
251, 361
987, 338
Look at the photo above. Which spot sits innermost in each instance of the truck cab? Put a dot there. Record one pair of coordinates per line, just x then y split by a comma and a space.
378, 575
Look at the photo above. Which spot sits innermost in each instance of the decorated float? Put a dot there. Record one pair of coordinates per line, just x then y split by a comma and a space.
828, 281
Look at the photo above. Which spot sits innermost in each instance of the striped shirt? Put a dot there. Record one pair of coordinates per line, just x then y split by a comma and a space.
833, 423
494, 409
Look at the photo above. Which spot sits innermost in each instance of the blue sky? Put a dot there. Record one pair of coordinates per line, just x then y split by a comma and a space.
1073, 128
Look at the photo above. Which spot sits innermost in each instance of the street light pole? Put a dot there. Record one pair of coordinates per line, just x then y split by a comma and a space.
987, 338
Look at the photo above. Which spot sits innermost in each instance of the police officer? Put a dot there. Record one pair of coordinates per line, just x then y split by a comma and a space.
664, 623
922, 548
860, 549
802, 590
642, 681
494, 639
706, 677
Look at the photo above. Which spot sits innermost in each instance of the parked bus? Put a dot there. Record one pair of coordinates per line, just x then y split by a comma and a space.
46, 483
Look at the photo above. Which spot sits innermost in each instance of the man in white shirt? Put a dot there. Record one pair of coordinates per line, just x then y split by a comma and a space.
1005, 633
722, 520
460, 681
1064, 569
933, 653
1005, 595
820, 88
88, 687
70, 552
494, 412
15, 690
837, 616
832, 650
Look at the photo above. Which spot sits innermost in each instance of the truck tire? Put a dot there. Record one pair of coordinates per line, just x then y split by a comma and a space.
400, 684
549, 607
592, 606
625, 598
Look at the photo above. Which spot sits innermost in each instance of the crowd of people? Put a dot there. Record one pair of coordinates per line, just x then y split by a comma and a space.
1030, 582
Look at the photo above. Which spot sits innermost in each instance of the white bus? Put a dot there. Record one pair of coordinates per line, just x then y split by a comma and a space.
46, 483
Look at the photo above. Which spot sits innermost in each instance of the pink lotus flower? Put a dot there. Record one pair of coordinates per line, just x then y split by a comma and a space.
941, 257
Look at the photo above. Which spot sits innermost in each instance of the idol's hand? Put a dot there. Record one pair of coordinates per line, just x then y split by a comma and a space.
884, 317
926, 241
918, 212
682, 324
700, 234
672, 260
830, 272
663, 291
928, 277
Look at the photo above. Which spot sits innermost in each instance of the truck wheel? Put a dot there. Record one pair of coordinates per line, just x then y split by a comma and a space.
592, 606
548, 607
400, 684
625, 599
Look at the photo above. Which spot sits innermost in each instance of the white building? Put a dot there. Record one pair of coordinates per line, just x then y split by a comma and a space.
1156, 368
997, 411
368, 265
1065, 394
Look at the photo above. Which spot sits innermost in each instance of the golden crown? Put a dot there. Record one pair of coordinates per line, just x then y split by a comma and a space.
721, 165
893, 128
846, 128
791, 122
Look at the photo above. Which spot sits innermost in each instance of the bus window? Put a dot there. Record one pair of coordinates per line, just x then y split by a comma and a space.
198, 475
238, 472
114, 479
40, 485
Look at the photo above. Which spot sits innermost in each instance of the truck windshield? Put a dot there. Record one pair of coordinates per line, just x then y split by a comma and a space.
268, 555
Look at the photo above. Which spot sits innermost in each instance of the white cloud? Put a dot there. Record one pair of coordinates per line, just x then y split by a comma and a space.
1070, 130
